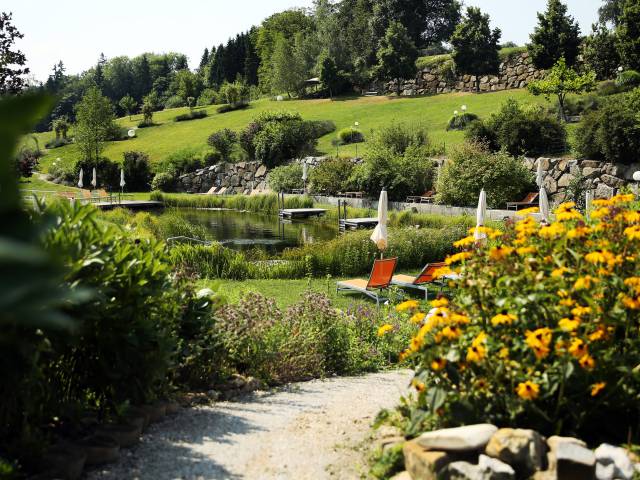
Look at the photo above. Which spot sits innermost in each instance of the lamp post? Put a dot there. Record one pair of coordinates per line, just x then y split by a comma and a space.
620, 70
636, 178
356, 125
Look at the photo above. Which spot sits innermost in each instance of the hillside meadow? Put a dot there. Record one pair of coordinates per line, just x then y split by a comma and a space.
371, 112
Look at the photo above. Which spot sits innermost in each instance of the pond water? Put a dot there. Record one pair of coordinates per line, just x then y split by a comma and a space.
244, 231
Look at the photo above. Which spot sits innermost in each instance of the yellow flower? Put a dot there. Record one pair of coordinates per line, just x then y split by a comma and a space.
476, 353
602, 202
578, 348
631, 303
440, 302
438, 364
528, 390
566, 212
568, 324
527, 211
416, 343
408, 305
503, 353
622, 198
563, 293
503, 319
587, 362
599, 334
451, 333
488, 231
633, 282
552, 231
599, 256
419, 386
498, 253
579, 311
522, 251
384, 329
567, 302
480, 339
464, 242
417, 317
404, 354
583, 283
459, 319
578, 232
599, 213
558, 272
596, 388
631, 216
442, 271
458, 257
632, 233
539, 341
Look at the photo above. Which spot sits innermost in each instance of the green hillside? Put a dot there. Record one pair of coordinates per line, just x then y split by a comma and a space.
372, 112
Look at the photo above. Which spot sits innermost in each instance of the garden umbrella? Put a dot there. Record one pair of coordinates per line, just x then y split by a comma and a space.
587, 202
94, 180
80, 184
122, 182
379, 235
544, 205
480, 216
304, 173
539, 174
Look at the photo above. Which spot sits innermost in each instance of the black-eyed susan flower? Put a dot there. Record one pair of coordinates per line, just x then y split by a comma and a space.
528, 390
596, 388
438, 364
498, 253
578, 348
569, 324
587, 362
408, 305
503, 318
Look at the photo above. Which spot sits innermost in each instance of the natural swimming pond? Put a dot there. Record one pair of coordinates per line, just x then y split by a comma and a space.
244, 230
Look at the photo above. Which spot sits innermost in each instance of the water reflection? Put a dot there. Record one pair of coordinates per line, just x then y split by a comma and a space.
243, 231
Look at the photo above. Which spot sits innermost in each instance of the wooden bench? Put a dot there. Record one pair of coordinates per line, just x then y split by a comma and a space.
531, 200
426, 197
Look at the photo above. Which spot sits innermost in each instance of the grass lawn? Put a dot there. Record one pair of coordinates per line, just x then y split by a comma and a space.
372, 112
288, 292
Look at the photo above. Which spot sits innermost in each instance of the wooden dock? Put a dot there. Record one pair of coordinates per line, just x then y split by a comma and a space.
291, 213
130, 205
356, 223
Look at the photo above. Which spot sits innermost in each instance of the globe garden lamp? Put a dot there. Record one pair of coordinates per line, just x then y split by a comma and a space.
636, 178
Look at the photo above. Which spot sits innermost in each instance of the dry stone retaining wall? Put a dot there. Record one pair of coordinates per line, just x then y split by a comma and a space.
600, 177
516, 71
241, 177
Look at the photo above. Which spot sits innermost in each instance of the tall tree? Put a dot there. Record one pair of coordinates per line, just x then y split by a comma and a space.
557, 35
98, 74
600, 51
55, 81
329, 75
215, 75
397, 55
427, 22
475, 45
204, 60
251, 59
11, 78
629, 34
610, 11
144, 80
287, 70
128, 105
94, 116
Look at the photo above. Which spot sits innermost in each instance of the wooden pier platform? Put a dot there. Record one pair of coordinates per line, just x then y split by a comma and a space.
130, 205
301, 212
356, 223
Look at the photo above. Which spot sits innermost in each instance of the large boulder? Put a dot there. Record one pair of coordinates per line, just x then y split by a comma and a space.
461, 439
613, 463
520, 448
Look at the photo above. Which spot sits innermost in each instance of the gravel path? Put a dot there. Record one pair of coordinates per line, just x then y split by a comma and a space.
308, 430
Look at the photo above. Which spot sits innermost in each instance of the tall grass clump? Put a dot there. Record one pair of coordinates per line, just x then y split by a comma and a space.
267, 203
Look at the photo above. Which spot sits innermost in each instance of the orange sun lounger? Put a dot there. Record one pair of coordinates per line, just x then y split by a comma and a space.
379, 280
422, 281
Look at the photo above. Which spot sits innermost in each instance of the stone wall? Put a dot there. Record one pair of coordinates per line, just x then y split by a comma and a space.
516, 71
241, 177
600, 177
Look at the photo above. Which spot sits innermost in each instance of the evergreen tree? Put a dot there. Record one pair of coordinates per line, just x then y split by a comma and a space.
181, 63
397, 55
204, 61
557, 35
11, 80
216, 68
251, 60
144, 80
475, 45
629, 34
98, 74
55, 81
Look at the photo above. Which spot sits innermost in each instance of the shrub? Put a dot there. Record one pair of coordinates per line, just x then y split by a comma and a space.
471, 168
182, 161
26, 162
286, 178
331, 176
107, 173
628, 80
460, 122
209, 96
57, 142
321, 128
521, 131
350, 135
231, 108
192, 115
137, 171
611, 133
536, 343
223, 141
235, 94
174, 101
608, 88
165, 182
399, 158
145, 124
274, 137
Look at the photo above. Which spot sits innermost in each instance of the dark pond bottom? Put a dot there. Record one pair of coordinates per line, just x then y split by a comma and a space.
245, 231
